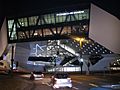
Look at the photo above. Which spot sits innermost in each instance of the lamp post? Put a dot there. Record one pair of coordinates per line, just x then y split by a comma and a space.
81, 64
80, 40
12, 59
88, 66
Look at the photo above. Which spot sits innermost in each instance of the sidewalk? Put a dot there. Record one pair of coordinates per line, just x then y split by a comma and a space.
8, 82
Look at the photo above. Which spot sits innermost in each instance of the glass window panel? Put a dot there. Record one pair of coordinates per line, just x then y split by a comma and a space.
23, 21
20, 21
46, 19
10, 23
87, 15
83, 16
21, 35
42, 22
72, 18
60, 19
46, 32
33, 20
52, 18
76, 16
68, 18
49, 21
64, 17
57, 19
80, 16
39, 22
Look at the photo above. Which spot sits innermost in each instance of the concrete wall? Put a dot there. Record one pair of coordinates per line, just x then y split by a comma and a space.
3, 37
104, 63
104, 29
22, 52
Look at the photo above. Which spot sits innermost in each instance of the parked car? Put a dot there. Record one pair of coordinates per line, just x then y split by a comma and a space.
61, 80
36, 75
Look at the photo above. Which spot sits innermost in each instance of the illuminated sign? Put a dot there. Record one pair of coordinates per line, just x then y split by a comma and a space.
38, 48
68, 13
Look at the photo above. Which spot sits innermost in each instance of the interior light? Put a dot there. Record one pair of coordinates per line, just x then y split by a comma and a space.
98, 45
81, 60
35, 33
68, 13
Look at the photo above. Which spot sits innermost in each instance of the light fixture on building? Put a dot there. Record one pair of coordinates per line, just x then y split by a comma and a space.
68, 13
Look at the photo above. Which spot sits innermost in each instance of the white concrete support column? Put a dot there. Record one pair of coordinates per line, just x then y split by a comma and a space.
3, 37
104, 28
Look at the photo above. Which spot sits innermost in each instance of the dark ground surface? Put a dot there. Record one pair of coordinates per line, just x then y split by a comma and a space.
21, 81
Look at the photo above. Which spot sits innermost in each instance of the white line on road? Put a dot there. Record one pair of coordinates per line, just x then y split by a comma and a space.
75, 88
46, 84
91, 84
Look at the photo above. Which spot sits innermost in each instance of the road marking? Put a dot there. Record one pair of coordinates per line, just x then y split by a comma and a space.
75, 88
77, 82
43, 83
46, 84
91, 84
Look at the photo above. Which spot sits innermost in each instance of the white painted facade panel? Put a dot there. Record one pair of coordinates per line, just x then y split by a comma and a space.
3, 37
104, 29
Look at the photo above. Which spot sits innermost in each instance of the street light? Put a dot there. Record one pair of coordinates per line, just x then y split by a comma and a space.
81, 64
80, 40
12, 58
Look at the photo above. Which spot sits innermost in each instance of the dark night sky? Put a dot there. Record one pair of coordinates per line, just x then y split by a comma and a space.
12, 7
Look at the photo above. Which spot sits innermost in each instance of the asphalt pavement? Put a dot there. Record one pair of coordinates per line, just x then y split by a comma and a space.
21, 81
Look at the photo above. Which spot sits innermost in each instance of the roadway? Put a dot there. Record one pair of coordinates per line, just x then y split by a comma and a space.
80, 82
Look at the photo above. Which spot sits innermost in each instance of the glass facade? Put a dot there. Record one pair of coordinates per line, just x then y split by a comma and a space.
15, 26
